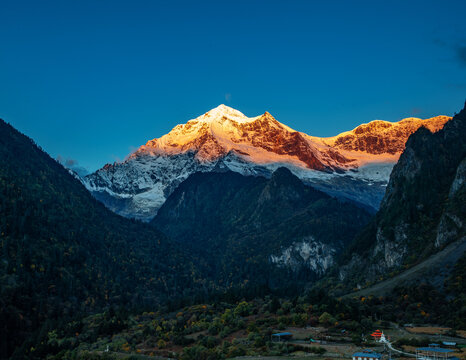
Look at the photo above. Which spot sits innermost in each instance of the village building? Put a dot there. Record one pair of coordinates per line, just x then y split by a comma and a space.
367, 355
434, 352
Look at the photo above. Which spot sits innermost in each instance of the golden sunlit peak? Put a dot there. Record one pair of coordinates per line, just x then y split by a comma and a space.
222, 111
223, 107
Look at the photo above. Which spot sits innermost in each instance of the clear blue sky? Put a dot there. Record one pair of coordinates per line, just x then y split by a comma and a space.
92, 80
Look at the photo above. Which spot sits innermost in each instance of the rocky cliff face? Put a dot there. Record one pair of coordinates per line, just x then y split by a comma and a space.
308, 253
452, 221
353, 165
423, 209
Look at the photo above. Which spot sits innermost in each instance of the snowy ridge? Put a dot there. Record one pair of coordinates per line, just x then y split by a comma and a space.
354, 165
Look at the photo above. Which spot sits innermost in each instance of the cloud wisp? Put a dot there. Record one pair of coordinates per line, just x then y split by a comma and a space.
73, 164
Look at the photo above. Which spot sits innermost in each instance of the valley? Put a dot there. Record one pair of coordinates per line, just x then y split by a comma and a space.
232, 180
244, 330
232, 257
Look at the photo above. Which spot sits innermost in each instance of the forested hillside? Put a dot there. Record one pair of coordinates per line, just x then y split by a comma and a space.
63, 253
274, 232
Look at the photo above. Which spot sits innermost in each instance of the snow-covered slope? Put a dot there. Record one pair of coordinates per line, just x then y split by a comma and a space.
355, 164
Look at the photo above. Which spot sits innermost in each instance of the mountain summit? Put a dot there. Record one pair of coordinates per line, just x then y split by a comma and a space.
223, 112
261, 139
355, 164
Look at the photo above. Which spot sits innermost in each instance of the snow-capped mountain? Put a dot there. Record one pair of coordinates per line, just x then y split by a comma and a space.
354, 165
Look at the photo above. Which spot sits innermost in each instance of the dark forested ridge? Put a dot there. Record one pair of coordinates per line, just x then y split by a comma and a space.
241, 221
424, 208
62, 252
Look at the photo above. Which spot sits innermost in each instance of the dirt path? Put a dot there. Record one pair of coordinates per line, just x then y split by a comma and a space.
390, 346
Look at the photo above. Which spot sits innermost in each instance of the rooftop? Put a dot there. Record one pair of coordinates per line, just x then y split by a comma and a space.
434, 349
283, 334
367, 353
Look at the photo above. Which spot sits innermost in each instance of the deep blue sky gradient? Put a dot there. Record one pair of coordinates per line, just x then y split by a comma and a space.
92, 80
